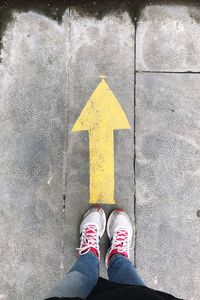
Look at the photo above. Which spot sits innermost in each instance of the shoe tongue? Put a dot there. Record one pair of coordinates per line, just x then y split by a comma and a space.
121, 235
88, 230
91, 228
122, 231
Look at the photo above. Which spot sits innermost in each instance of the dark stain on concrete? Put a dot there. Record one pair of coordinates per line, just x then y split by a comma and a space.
194, 13
96, 8
198, 213
52, 8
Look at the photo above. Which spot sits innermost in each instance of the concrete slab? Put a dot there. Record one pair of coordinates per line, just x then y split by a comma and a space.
167, 182
97, 47
168, 38
32, 121
48, 72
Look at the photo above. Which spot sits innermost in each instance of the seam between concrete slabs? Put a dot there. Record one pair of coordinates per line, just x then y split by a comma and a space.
65, 142
166, 72
134, 136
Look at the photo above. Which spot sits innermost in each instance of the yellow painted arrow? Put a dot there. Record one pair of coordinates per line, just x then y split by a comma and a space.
100, 116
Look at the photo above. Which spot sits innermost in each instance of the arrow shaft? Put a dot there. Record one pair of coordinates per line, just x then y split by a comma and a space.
101, 145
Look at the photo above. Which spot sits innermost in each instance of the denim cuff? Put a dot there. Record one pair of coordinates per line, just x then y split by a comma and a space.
114, 257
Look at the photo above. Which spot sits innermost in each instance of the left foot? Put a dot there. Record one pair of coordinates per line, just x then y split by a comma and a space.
91, 229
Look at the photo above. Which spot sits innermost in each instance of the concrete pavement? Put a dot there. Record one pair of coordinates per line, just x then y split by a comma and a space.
51, 62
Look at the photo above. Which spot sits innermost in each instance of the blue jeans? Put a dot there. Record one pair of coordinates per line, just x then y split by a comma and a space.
83, 276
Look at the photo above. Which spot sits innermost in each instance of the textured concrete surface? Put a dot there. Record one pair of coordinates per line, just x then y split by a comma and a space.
32, 121
168, 38
167, 176
48, 71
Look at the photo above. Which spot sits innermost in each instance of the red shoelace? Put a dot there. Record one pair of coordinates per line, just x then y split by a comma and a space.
120, 243
89, 240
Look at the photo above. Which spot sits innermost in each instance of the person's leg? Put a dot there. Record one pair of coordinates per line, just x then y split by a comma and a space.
120, 268
81, 279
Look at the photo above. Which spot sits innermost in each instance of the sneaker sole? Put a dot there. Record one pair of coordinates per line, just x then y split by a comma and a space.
104, 224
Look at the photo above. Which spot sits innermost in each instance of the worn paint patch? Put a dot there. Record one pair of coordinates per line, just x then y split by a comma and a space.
101, 115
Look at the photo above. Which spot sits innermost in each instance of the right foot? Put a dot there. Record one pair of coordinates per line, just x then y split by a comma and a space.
91, 229
120, 232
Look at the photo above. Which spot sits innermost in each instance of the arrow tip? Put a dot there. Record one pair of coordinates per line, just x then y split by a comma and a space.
102, 110
103, 76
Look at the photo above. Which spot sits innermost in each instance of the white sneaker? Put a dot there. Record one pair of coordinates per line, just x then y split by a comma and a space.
91, 229
120, 232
